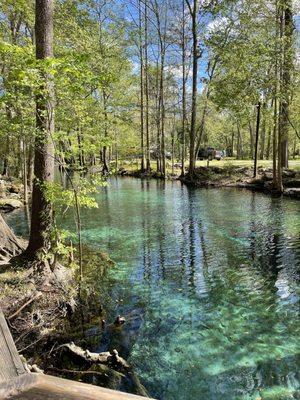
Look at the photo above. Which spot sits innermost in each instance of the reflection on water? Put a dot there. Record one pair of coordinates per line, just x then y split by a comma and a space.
209, 282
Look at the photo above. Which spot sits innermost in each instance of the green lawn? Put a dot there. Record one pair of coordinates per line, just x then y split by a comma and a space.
293, 164
134, 165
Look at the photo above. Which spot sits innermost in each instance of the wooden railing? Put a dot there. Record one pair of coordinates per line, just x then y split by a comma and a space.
16, 383
46, 387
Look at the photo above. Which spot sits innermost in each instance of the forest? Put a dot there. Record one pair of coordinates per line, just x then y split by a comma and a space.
149, 195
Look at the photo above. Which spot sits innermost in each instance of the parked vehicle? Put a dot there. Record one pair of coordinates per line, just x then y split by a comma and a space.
209, 153
218, 155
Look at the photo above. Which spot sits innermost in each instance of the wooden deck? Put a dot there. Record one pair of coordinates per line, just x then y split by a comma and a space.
16, 383
10, 363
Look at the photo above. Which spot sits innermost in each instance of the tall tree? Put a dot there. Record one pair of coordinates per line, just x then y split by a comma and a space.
193, 8
41, 212
148, 165
184, 79
142, 88
286, 69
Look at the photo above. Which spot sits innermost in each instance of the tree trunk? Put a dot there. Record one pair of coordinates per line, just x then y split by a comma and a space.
194, 15
5, 171
25, 172
105, 169
30, 164
183, 49
232, 144
275, 128
162, 113
251, 139
10, 245
158, 142
80, 150
148, 165
41, 210
173, 151
141, 88
263, 133
287, 28
256, 139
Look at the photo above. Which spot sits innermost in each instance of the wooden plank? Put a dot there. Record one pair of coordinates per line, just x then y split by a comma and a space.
10, 363
45, 387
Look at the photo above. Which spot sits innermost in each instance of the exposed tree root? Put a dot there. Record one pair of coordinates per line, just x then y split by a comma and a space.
109, 358
10, 245
87, 365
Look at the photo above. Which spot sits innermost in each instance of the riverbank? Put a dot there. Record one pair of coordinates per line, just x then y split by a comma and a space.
11, 194
229, 176
48, 309
242, 177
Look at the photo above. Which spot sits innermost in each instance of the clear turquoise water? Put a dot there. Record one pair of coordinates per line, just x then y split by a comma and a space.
209, 283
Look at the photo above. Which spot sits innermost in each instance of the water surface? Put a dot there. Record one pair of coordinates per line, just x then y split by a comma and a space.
209, 283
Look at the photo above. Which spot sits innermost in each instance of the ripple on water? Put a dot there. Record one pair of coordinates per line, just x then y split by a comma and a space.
212, 280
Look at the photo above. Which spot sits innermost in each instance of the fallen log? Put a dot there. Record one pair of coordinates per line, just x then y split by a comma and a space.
70, 357
108, 358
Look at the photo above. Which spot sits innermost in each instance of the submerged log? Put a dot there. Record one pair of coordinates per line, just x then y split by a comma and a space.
109, 358
105, 368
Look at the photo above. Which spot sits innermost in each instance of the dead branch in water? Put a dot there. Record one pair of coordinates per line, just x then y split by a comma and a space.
106, 357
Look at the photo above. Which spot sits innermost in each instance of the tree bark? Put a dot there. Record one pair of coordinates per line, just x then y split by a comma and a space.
184, 78
41, 213
287, 22
256, 139
263, 132
194, 15
148, 164
141, 87
10, 245
105, 169
251, 139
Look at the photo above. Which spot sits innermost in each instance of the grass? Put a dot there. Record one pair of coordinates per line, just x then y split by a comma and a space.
134, 165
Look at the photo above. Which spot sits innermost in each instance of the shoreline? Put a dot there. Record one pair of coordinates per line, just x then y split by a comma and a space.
234, 177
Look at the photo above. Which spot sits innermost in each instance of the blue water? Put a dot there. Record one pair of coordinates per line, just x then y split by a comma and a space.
209, 283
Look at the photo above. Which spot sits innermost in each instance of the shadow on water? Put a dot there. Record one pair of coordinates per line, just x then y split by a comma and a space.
208, 281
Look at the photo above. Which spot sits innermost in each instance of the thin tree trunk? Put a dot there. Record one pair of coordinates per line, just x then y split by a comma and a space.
281, 109
232, 143
275, 126
287, 27
162, 116
263, 133
25, 172
251, 139
256, 139
30, 165
268, 149
194, 15
238, 156
173, 150
105, 169
158, 143
141, 88
275, 94
183, 49
148, 165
